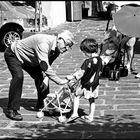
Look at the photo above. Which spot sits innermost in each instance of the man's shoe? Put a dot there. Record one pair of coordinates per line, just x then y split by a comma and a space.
14, 115
138, 75
133, 71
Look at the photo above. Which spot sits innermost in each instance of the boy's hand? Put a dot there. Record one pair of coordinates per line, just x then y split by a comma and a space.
69, 77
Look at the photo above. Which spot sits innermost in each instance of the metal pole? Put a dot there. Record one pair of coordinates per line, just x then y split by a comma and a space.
1, 14
36, 7
72, 11
40, 16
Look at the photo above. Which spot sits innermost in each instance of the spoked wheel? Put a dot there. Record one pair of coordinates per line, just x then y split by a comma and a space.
8, 37
62, 119
116, 75
40, 114
111, 75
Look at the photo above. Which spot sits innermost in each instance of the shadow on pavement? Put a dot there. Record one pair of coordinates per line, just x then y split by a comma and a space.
28, 104
106, 127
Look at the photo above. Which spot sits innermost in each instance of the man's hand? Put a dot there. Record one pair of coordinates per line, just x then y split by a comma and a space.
64, 81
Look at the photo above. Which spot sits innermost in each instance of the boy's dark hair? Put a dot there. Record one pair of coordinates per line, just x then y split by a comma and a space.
89, 45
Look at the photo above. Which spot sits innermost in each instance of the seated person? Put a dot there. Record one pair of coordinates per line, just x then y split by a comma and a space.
109, 47
127, 43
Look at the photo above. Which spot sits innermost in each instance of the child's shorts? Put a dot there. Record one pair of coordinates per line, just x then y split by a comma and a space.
87, 93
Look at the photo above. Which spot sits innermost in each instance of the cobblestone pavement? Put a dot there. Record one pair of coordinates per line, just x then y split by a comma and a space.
117, 114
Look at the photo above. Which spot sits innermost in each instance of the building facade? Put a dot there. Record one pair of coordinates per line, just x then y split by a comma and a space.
58, 12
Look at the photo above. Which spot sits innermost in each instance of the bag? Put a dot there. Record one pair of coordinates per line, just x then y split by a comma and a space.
123, 71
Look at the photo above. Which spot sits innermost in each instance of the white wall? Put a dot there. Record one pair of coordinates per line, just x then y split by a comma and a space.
55, 11
88, 4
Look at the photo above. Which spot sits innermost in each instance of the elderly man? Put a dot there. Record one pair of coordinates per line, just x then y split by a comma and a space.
35, 55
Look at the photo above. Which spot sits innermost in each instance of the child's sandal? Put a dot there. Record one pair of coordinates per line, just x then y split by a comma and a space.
72, 118
86, 118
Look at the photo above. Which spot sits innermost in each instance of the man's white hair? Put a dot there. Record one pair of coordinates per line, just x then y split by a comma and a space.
67, 36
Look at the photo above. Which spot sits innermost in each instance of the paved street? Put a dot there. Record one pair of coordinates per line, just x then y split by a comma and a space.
117, 114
